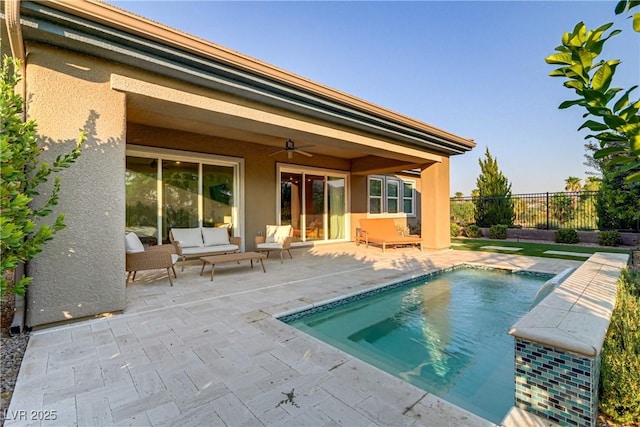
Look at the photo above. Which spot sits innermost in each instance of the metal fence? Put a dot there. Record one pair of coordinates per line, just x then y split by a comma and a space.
546, 211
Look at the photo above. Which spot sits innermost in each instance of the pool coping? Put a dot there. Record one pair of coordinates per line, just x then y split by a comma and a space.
575, 316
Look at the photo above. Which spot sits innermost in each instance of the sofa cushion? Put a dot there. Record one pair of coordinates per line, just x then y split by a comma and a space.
204, 250
215, 236
277, 233
273, 246
132, 243
188, 237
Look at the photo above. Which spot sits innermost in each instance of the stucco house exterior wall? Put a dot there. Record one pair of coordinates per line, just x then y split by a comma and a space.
143, 90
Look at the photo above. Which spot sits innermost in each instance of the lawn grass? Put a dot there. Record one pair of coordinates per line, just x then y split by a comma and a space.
532, 249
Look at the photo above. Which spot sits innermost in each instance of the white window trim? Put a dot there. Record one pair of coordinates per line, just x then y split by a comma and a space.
412, 183
400, 199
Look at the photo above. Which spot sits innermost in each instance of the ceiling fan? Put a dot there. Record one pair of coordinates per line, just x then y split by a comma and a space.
290, 148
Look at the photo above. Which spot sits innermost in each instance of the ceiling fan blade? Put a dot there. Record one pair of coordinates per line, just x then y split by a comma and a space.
304, 153
276, 152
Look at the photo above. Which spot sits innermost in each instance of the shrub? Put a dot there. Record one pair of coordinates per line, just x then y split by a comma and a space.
455, 229
473, 231
620, 369
566, 235
498, 231
609, 238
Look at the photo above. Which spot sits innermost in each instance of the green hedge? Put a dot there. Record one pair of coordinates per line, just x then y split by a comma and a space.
498, 231
473, 231
620, 370
609, 238
566, 235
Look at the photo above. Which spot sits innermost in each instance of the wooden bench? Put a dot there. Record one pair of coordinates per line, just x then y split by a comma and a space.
382, 231
238, 256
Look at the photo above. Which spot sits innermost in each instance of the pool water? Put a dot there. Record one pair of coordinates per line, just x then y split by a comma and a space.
446, 334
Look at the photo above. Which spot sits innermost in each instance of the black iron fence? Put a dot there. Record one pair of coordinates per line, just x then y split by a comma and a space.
546, 211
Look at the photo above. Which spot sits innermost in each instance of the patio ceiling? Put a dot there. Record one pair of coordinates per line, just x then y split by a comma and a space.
213, 114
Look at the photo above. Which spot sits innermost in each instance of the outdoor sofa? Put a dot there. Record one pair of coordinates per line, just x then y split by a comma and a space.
196, 242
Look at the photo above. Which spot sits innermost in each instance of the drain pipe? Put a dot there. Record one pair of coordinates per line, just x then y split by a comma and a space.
16, 42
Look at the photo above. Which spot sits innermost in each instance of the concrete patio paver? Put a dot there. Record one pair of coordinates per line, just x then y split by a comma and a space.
212, 353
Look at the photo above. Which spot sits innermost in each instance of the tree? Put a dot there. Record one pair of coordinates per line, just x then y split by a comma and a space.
616, 122
592, 183
22, 229
494, 204
573, 184
618, 202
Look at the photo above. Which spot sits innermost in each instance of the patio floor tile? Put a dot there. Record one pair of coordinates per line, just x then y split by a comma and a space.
212, 353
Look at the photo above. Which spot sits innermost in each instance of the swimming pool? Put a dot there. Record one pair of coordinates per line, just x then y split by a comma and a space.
445, 333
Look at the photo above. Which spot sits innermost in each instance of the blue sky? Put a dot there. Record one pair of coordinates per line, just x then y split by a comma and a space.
474, 68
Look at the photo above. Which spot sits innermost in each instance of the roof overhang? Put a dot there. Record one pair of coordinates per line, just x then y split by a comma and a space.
102, 30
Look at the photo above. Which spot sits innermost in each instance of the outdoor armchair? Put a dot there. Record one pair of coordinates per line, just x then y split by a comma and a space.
277, 238
139, 258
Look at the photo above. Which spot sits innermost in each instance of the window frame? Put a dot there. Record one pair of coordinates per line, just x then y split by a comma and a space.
161, 154
400, 199
380, 198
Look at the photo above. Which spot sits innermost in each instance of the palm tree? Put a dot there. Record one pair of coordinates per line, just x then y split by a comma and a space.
573, 184
592, 183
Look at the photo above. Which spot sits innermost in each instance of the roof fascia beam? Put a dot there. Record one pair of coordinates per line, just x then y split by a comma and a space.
118, 45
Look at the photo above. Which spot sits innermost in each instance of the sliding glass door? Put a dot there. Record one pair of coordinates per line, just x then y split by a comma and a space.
314, 202
167, 189
336, 207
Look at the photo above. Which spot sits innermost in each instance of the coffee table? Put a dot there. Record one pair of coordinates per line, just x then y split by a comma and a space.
237, 256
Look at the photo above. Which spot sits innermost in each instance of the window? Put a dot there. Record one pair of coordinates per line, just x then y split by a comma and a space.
392, 196
169, 188
375, 195
408, 197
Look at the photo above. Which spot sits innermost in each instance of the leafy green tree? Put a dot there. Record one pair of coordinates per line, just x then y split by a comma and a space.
618, 202
22, 229
462, 212
616, 122
561, 208
494, 204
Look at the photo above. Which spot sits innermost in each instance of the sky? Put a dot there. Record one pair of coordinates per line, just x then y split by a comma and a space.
473, 68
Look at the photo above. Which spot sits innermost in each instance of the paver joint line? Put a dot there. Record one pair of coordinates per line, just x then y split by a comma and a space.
163, 323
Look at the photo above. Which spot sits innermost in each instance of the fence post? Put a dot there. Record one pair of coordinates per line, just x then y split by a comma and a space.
547, 210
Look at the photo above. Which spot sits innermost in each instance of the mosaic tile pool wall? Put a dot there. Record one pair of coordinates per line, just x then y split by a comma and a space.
555, 384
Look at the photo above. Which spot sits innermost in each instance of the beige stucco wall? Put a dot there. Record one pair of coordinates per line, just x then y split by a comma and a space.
359, 202
435, 205
81, 271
